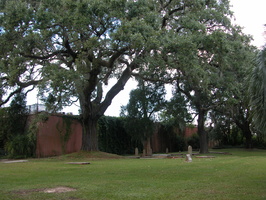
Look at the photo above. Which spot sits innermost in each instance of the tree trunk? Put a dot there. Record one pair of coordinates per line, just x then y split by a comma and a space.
89, 135
248, 136
147, 147
202, 133
245, 128
93, 110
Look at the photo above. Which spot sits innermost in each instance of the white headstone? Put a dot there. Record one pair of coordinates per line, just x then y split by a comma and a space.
190, 150
188, 158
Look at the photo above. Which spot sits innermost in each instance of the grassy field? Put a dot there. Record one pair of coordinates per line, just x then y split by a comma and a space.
241, 175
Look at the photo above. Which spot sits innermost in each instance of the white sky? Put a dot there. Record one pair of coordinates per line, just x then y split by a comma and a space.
249, 14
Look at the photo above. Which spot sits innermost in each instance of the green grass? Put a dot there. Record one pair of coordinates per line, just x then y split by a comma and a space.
241, 175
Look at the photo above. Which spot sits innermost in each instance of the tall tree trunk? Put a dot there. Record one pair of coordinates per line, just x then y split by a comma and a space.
93, 110
248, 135
243, 124
202, 133
148, 146
89, 135
89, 126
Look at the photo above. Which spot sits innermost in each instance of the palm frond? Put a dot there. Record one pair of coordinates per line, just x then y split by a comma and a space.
257, 91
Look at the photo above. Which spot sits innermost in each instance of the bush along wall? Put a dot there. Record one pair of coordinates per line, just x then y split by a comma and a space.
13, 134
113, 137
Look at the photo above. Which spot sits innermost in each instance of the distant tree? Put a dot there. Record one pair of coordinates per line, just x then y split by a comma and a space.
203, 69
17, 114
142, 110
176, 112
13, 126
214, 81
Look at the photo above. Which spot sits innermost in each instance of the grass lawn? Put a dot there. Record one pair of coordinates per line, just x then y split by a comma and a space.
241, 175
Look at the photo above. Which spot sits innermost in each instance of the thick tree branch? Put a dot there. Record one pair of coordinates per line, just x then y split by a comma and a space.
99, 94
171, 12
19, 90
116, 88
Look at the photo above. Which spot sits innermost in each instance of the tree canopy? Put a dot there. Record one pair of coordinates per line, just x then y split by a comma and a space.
69, 49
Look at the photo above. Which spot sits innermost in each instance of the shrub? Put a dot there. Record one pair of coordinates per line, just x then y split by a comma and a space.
20, 146
113, 138
194, 141
180, 143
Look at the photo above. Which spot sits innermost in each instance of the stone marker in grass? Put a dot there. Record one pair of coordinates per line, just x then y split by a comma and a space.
188, 158
136, 151
190, 150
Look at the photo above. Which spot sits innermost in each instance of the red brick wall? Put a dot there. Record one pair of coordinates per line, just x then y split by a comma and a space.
190, 131
50, 137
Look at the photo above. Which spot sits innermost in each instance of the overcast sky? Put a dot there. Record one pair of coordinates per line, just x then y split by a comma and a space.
251, 15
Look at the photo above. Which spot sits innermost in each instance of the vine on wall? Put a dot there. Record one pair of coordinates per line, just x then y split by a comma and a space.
65, 131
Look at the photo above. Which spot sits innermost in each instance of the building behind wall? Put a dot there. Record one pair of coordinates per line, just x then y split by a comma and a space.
36, 108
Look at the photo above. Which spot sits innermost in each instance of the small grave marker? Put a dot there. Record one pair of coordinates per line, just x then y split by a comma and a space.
144, 152
136, 151
188, 158
190, 150
149, 152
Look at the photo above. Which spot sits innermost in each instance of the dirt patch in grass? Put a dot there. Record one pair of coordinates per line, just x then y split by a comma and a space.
60, 189
25, 192
95, 155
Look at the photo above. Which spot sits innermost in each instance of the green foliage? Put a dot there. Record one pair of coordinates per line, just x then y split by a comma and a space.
67, 123
176, 112
64, 131
42, 117
4, 131
71, 48
139, 129
257, 91
13, 136
21, 146
227, 134
259, 141
193, 141
142, 109
173, 137
113, 138
179, 143
17, 115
